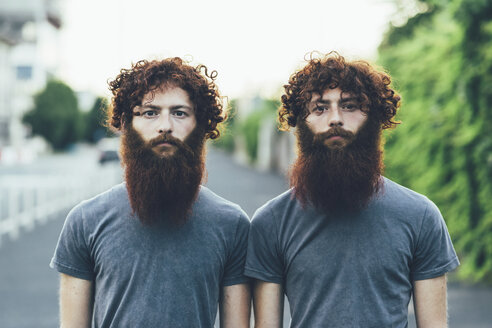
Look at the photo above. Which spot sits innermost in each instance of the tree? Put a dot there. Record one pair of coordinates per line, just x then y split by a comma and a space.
55, 115
94, 121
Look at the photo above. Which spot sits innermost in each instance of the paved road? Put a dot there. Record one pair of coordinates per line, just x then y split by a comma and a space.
28, 287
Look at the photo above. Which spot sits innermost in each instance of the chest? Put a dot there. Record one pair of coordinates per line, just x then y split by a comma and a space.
368, 249
129, 252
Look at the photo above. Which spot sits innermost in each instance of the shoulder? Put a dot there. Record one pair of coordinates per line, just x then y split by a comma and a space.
214, 207
277, 208
403, 197
117, 195
285, 198
107, 202
392, 188
407, 204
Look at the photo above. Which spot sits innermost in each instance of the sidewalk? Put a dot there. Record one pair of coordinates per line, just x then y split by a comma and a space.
28, 286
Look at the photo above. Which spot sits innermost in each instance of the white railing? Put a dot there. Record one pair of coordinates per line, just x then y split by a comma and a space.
29, 199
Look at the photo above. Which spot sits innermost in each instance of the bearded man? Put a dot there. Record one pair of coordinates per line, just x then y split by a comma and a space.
347, 246
159, 250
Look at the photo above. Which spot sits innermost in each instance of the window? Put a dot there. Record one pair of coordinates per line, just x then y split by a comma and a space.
24, 72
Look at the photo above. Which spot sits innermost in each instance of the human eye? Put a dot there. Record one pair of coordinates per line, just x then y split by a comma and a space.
180, 113
319, 109
149, 113
350, 107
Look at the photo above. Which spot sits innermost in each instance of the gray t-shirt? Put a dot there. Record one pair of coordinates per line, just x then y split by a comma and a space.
350, 270
158, 276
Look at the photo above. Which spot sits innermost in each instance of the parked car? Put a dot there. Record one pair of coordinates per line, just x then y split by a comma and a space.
108, 156
108, 150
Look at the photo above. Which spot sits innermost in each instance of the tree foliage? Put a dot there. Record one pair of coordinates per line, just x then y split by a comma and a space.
227, 129
250, 127
443, 148
55, 115
95, 128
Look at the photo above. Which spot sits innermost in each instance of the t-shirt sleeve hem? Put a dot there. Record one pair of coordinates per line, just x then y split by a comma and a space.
66, 269
436, 272
235, 281
262, 276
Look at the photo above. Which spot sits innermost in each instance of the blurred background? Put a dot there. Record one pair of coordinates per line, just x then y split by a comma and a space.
56, 57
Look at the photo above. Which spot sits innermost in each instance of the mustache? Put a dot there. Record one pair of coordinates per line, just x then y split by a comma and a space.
336, 131
182, 145
165, 138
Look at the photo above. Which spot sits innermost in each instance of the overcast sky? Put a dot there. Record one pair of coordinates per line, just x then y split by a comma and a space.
254, 45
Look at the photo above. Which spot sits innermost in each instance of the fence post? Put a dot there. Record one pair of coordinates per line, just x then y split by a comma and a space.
27, 199
12, 222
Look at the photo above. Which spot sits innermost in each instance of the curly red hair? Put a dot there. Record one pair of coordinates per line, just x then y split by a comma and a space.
371, 87
131, 85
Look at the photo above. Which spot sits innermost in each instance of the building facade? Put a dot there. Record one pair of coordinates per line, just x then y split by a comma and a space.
29, 56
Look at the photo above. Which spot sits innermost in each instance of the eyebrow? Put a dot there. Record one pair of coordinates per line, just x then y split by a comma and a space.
347, 99
150, 106
326, 101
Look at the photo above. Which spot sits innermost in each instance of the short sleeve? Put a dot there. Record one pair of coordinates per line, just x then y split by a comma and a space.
264, 261
234, 269
434, 254
72, 253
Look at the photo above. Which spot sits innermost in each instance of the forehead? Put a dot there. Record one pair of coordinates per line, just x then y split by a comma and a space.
167, 94
330, 95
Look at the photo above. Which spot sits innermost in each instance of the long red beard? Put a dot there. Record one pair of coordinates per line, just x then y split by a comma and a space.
337, 178
163, 188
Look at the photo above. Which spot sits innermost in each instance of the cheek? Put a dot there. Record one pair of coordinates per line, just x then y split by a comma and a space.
140, 127
185, 128
314, 123
191, 125
358, 120
136, 125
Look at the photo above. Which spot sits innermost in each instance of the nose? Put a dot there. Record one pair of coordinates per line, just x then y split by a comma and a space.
335, 119
165, 124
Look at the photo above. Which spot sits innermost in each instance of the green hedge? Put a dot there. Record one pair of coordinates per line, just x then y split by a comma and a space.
443, 148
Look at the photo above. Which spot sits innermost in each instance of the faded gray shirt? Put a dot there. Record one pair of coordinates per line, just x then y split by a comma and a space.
154, 276
350, 270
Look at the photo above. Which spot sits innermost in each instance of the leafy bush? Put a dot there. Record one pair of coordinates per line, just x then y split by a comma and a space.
56, 116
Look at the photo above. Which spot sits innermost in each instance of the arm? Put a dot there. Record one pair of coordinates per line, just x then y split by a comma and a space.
268, 304
75, 302
429, 299
235, 306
